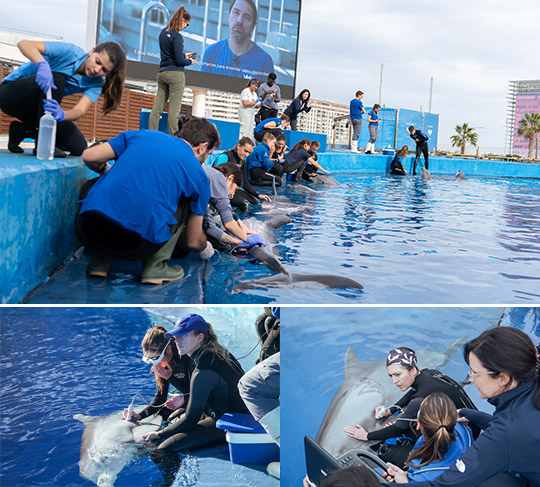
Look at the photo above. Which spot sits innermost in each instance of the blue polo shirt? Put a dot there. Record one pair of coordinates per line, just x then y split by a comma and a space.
373, 116
154, 171
260, 157
64, 58
356, 106
219, 59
260, 127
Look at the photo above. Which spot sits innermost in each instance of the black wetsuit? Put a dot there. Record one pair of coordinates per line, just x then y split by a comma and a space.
421, 148
246, 192
213, 392
179, 379
427, 382
396, 167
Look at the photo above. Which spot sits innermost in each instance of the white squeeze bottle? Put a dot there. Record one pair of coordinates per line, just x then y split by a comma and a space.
47, 135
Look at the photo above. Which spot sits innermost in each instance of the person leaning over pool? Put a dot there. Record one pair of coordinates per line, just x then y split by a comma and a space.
171, 370
171, 79
66, 69
260, 168
213, 374
237, 155
273, 126
401, 365
506, 371
138, 209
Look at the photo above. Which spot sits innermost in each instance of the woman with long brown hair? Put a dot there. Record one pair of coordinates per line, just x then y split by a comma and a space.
213, 375
65, 69
396, 167
171, 79
442, 442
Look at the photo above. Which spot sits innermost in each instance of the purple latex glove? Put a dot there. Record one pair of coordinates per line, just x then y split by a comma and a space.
252, 241
54, 107
44, 76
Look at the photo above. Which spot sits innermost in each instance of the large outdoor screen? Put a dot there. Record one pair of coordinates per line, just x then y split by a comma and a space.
234, 40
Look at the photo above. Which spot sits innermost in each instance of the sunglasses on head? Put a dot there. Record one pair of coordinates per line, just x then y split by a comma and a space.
156, 360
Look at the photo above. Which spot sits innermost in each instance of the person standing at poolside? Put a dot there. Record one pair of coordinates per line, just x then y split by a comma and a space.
373, 127
171, 78
421, 146
66, 69
238, 55
300, 104
356, 111
270, 95
249, 101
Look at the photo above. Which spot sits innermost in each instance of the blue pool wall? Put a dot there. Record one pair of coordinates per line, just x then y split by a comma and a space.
39, 206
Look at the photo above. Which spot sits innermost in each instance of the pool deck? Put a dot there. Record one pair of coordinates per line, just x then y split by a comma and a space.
38, 242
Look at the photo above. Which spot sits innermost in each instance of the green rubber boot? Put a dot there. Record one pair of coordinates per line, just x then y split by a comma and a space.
98, 265
155, 268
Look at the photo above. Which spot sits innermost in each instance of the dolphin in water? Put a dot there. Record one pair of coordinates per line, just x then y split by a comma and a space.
283, 278
108, 444
460, 176
425, 174
325, 179
365, 387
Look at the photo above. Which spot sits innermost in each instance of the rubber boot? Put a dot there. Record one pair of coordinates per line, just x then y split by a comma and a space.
270, 422
368, 148
98, 265
155, 268
18, 131
354, 146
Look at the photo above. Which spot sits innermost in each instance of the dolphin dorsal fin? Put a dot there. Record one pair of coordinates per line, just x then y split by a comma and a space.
351, 361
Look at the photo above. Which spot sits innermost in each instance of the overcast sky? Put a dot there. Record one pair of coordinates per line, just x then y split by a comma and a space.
472, 49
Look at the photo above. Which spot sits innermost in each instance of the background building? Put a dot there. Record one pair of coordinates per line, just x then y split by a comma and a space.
523, 97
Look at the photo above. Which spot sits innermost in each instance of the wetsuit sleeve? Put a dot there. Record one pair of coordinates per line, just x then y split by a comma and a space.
402, 424
203, 382
156, 403
179, 57
479, 418
488, 456
405, 399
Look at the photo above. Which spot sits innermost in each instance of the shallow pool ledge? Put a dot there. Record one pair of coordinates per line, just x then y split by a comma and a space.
341, 162
38, 205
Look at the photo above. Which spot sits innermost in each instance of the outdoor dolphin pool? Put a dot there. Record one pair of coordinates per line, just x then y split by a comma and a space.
58, 362
316, 341
406, 240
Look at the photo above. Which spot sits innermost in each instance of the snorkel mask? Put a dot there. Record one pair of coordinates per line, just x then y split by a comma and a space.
154, 361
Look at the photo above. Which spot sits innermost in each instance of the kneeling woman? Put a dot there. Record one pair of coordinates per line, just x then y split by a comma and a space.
213, 387
396, 167
442, 442
66, 69
298, 157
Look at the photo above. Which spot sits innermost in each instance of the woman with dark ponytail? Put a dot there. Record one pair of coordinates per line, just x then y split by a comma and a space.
65, 69
442, 442
171, 79
504, 367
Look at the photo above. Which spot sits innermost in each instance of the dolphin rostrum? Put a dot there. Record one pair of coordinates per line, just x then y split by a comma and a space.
426, 175
459, 175
365, 387
108, 444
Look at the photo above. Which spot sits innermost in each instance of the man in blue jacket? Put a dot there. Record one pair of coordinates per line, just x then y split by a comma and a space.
421, 146
356, 111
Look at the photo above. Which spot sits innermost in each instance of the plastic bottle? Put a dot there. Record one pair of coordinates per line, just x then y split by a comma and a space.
46, 135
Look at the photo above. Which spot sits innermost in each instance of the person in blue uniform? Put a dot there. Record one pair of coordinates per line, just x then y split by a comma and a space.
505, 369
238, 55
66, 69
171, 78
138, 208
373, 128
442, 442
300, 104
421, 146
260, 168
356, 110
273, 126
213, 374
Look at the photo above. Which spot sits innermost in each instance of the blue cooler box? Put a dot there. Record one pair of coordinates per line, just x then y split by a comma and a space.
248, 441
388, 152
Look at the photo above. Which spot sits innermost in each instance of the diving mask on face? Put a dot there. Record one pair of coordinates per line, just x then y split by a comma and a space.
154, 361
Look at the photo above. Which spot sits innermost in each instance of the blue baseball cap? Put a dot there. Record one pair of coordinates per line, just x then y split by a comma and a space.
187, 323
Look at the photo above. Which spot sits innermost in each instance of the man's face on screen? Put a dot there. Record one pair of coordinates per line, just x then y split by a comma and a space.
241, 21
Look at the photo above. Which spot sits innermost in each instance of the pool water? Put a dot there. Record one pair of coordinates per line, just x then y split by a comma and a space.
313, 356
57, 362
407, 241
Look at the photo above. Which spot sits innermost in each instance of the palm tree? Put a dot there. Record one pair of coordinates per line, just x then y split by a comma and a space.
464, 134
529, 127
